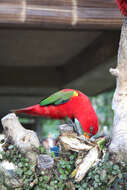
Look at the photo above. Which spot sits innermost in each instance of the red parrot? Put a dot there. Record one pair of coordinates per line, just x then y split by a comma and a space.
122, 4
67, 103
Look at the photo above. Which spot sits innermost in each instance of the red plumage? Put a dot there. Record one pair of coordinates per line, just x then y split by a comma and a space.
122, 4
77, 107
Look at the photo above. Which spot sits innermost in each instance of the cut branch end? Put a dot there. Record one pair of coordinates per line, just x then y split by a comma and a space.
114, 72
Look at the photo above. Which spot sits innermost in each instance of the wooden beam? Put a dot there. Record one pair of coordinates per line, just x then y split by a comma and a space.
97, 53
58, 14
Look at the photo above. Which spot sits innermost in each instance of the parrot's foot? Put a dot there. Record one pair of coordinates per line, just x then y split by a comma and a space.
75, 127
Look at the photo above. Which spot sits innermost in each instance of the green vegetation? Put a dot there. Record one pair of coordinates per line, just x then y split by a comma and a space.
50, 127
51, 179
106, 175
103, 107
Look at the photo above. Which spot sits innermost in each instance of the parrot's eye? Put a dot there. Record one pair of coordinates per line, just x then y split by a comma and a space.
91, 129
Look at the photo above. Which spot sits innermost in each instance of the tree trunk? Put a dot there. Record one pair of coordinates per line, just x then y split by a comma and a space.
119, 104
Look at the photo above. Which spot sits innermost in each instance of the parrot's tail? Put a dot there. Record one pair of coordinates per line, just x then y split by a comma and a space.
45, 111
31, 110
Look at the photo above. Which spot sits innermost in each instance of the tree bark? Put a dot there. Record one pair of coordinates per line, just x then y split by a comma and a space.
119, 104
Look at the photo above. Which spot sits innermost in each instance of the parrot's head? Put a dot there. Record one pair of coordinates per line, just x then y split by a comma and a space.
91, 129
92, 124
86, 115
83, 111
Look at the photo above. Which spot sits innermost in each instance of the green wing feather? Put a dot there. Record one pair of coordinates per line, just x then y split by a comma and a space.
57, 98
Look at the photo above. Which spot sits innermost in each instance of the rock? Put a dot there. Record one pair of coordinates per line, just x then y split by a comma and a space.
2, 142
7, 175
65, 128
2, 187
45, 162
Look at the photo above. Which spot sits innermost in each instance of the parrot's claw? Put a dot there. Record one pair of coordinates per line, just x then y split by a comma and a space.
75, 127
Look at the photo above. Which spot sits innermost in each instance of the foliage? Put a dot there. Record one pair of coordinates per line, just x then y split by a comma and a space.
34, 180
26, 120
25, 170
50, 127
103, 107
106, 175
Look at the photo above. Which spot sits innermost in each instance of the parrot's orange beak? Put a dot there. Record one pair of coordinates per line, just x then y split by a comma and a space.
87, 136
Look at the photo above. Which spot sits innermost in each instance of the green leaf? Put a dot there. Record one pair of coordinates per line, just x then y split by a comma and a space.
37, 188
120, 176
29, 173
19, 172
20, 164
45, 178
42, 149
101, 143
116, 167
61, 171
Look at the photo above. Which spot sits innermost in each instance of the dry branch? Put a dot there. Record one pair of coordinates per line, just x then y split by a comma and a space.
25, 140
86, 163
88, 152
